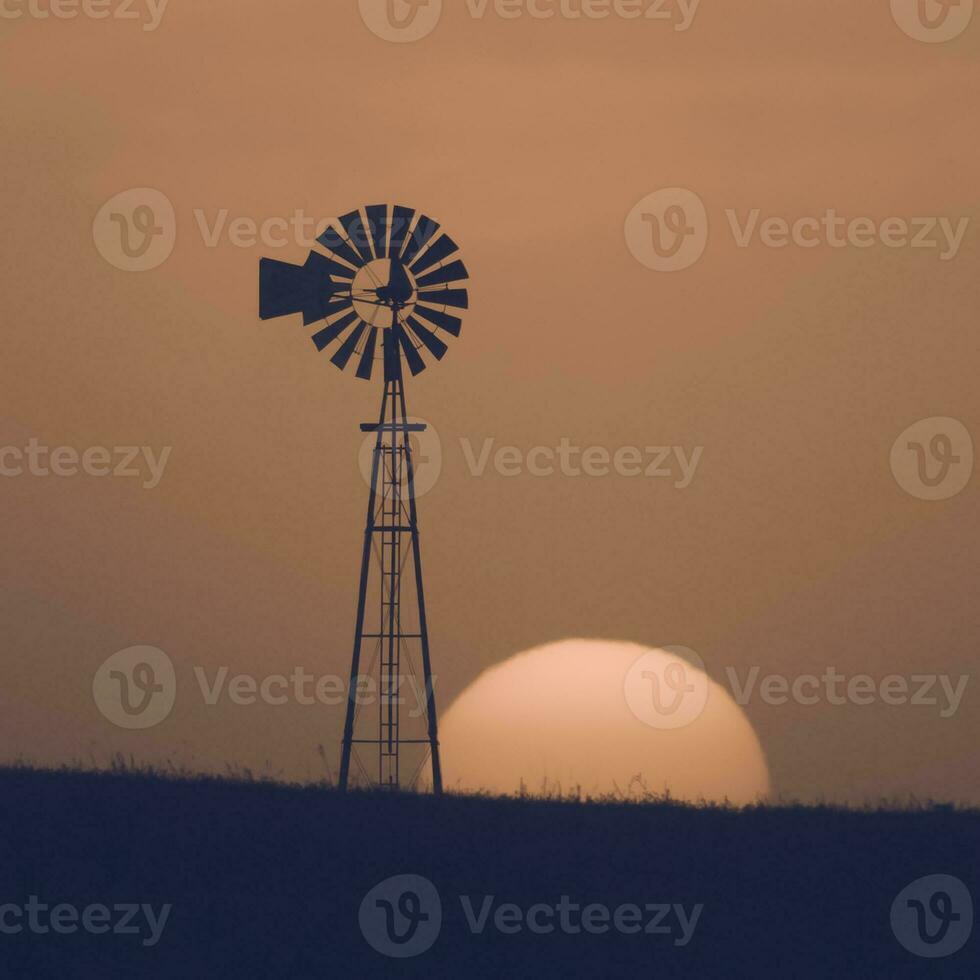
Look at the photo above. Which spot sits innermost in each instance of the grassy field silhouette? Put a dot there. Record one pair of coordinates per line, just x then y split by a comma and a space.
266, 879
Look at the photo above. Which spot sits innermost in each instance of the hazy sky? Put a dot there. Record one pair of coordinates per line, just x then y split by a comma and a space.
793, 549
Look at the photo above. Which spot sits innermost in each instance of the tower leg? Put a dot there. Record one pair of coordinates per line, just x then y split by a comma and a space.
348, 740
430, 697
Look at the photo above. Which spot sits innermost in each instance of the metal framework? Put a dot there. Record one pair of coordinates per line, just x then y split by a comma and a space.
391, 540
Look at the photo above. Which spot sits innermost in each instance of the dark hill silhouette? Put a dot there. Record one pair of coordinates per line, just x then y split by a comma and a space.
266, 880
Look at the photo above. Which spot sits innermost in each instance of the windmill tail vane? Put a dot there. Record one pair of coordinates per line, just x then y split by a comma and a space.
387, 287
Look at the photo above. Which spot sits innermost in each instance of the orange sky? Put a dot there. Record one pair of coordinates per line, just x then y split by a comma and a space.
793, 549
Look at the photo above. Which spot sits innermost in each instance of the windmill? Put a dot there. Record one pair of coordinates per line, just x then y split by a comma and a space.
382, 293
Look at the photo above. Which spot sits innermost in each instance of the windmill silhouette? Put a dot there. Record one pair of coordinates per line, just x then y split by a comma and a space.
383, 287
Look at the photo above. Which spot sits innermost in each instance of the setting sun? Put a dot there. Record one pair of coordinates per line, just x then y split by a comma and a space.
585, 714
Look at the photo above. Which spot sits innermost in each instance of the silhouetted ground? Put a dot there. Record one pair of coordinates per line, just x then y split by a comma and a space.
267, 881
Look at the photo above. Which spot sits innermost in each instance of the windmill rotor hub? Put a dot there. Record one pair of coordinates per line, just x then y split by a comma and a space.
382, 289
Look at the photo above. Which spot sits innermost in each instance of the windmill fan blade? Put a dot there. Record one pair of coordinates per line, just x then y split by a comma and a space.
458, 298
451, 324
419, 238
454, 272
323, 312
401, 221
357, 234
333, 241
442, 249
286, 289
349, 346
337, 306
326, 337
366, 366
432, 343
415, 363
330, 267
377, 215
